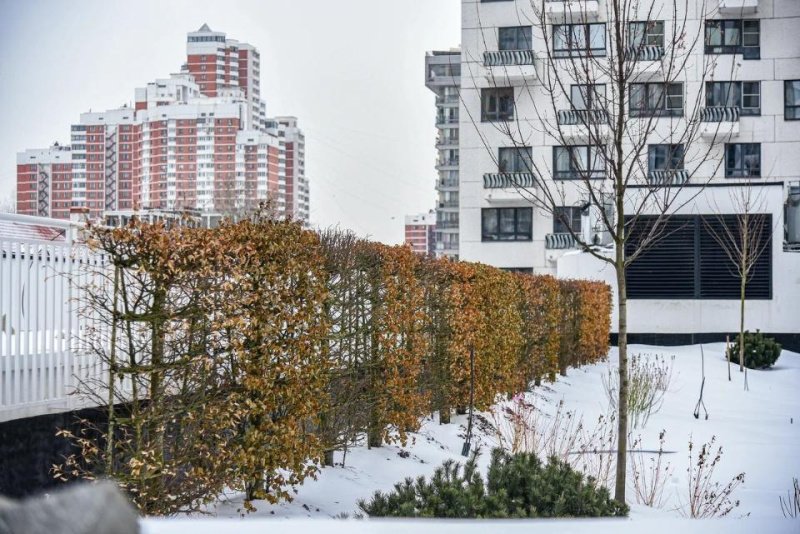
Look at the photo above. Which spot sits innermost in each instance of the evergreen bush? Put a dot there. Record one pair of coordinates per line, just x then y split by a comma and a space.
517, 486
760, 352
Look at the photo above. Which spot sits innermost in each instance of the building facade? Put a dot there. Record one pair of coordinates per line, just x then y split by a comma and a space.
420, 232
198, 140
443, 77
529, 117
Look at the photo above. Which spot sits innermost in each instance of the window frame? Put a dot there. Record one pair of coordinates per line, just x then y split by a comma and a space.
583, 51
645, 33
742, 94
507, 237
526, 39
592, 95
749, 27
518, 154
786, 106
498, 115
575, 215
664, 109
674, 156
575, 173
743, 170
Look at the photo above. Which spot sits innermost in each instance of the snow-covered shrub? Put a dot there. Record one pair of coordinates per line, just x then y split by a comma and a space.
760, 352
518, 485
648, 381
708, 498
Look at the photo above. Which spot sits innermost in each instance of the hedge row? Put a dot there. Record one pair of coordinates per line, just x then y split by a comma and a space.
257, 349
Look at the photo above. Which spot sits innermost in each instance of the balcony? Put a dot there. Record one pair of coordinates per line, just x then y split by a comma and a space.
445, 122
447, 100
508, 186
445, 204
509, 67
503, 180
719, 122
447, 164
446, 184
669, 177
572, 10
583, 124
646, 61
738, 7
446, 142
559, 241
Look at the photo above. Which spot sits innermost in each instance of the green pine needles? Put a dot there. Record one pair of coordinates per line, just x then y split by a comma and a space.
516, 486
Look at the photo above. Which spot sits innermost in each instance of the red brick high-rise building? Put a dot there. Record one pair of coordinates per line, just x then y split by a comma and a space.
197, 140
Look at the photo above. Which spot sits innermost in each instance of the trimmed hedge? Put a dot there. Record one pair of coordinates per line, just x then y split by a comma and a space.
287, 345
760, 352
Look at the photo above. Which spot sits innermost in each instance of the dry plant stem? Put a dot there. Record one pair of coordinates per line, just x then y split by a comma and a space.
791, 506
708, 498
649, 474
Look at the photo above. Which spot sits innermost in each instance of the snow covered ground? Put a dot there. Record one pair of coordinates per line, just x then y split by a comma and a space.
759, 431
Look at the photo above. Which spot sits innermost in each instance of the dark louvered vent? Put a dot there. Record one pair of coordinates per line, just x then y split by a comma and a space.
719, 274
666, 269
687, 262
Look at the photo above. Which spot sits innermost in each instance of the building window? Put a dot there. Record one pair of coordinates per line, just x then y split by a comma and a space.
664, 158
743, 160
733, 37
686, 261
791, 100
578, 162
656, 100
566, 218
648, 33
571, 40
588, 96
514, 38
743, 95
514, 159
497, 104
506, 224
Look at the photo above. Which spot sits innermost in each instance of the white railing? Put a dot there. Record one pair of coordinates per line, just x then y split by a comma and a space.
44, 338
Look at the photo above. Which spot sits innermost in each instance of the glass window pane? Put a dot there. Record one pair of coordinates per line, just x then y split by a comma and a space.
713, 34
578, 93
597, 36
578, 37
733, 34
560, 37
655, 96
562, 159
637, 96
636, 34
524, 223
507, 225
792, 93
489, 222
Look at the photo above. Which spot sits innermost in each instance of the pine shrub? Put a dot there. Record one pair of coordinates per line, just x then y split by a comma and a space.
760, 352
517, 486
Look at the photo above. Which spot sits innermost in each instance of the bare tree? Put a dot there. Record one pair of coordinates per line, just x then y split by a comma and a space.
620, 103
744, 237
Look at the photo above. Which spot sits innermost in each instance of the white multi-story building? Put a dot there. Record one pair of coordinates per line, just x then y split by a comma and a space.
528, 118
443, 77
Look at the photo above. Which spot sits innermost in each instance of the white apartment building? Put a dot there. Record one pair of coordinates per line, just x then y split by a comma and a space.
739, 86
443, 77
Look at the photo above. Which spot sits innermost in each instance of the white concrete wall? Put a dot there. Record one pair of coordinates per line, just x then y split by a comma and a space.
781, 314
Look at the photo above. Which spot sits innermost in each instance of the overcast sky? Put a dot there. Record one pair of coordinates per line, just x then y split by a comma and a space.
352, 71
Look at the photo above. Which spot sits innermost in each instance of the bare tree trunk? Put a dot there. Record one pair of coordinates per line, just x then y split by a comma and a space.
742, 288
112, 372
622, 403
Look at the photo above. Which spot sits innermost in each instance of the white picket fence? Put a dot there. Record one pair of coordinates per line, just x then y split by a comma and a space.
44, 340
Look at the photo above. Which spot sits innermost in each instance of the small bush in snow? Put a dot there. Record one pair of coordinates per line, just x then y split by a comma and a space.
708, 498
760, 352
648, 381
650, 474
516, 486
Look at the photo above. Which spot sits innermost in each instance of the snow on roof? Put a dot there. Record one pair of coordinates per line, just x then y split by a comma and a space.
14, 230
